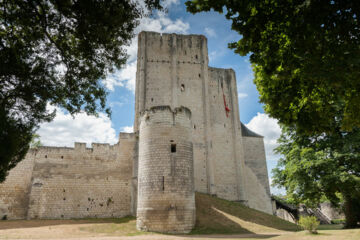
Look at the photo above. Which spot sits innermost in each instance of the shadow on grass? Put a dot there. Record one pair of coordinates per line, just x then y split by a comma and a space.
13, 224
210, 220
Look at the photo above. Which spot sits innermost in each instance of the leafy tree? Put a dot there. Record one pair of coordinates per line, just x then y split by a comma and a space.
305, 54
35, 141
57, 51
319, 166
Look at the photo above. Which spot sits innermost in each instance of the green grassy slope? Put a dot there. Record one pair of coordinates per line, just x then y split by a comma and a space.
215, 215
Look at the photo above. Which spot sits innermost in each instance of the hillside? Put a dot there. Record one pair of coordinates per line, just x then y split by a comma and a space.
215, 215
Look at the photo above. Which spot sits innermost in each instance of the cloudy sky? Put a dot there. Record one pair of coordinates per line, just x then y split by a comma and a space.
65, 129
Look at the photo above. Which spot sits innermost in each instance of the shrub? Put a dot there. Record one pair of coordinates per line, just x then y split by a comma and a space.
338, 221
309, 223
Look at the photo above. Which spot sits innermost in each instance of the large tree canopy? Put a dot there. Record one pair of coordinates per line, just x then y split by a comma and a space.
305, 54
57, 51
321, 165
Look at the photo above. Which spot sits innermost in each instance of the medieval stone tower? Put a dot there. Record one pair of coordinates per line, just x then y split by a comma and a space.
166, 198
173, 74
187, 137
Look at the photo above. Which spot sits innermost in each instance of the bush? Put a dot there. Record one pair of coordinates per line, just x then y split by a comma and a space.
338, 221
309, 223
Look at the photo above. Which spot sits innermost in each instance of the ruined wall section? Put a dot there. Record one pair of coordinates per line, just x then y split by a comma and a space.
14, 192
166, 200
173, 70
226, 150
83, 182
257, 184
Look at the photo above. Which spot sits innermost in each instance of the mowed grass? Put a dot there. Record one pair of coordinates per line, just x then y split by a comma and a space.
125, 226
219, 216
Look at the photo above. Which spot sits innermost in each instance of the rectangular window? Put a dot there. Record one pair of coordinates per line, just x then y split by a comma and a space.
173, 148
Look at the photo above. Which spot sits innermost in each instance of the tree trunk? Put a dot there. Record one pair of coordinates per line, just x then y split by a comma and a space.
351, 216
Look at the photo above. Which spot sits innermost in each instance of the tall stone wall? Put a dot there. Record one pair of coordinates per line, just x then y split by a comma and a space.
173, 70
56, 182
257, 184
14, 192
166, 200
226, 149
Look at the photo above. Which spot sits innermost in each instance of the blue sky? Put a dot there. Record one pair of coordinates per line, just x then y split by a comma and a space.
65, 129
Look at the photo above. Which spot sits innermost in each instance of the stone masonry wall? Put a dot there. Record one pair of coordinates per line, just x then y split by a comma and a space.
54, 182
173, 70
226, 150
257, 184
166, 200
14, 192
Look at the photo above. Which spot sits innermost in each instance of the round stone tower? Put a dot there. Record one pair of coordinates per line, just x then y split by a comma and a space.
166, 200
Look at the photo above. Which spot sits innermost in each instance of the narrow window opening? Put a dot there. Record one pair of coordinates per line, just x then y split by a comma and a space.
62, 157
199, 75
196, 56
45, 156
224, 125
163, 183
222, 86
194, 126
173, 148
152, 99
182, 87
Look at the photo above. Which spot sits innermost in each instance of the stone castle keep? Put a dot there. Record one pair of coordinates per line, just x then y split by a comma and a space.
187, 137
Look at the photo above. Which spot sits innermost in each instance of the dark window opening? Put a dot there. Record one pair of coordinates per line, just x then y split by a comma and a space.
45, 156
196, 56
199, 75
171, 140
163, 183
173, 148
194, 126
182, 87
152, 99
222, 86
62, 157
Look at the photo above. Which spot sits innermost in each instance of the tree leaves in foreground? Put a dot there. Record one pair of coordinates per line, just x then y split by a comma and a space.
305, 54
57, 52
324, 165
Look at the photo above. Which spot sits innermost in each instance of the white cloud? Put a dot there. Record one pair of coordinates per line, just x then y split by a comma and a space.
210, 32
127, 129
64, 130
161, 23
242, 95
168, 3
270, 129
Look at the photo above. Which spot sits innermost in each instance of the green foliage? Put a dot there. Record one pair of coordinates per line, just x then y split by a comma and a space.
309, 223
318, 166
57, 52
338, 221
35, 141
305, 55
